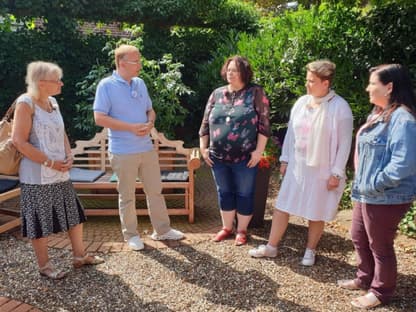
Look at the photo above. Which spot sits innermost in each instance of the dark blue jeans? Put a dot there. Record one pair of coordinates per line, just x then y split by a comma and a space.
235, 186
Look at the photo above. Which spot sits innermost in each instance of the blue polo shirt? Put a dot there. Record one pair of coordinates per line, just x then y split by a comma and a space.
117, 98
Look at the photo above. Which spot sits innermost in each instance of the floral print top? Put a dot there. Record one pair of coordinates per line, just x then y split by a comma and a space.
233, 119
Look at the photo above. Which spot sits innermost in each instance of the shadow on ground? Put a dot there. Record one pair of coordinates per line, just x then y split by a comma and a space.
85, 289
226, 286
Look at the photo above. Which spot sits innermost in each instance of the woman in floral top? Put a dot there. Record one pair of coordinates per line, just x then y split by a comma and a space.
233, 135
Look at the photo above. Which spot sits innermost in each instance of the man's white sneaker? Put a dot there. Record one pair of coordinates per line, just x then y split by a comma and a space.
172, 234
263, 251
135, 243
308, 257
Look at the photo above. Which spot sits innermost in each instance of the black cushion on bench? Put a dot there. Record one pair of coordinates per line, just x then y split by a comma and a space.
174, 176
84, 175
166, 176
8, 184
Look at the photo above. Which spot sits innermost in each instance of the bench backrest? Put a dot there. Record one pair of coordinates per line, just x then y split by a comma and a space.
92, 154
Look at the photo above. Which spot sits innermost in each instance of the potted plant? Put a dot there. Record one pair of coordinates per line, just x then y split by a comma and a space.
267, 164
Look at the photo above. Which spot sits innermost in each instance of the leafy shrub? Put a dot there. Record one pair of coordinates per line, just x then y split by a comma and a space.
163, 79
57, 42
345, 202
354, 38
408, 224
189, 30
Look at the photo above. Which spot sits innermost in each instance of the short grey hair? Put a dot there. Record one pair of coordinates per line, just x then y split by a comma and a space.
40, 70
324, 69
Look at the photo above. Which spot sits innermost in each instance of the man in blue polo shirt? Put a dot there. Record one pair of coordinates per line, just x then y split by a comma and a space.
122, 104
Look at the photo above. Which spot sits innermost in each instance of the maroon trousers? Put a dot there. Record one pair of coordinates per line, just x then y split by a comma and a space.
373, 231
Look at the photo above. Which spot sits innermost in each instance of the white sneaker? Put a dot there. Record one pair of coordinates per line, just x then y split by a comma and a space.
308, 257
263, 251
135, 243
172, 234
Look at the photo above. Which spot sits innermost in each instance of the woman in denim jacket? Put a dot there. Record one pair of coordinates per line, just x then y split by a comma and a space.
385, 182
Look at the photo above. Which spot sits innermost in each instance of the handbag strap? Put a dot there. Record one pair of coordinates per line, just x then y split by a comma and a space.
9, 114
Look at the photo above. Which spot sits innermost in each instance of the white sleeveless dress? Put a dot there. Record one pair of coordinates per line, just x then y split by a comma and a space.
49, 203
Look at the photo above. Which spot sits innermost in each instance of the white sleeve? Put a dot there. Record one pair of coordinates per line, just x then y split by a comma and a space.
289, 140
344, 124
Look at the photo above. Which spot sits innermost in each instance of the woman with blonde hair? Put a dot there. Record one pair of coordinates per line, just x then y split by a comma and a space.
315, 151
49, 203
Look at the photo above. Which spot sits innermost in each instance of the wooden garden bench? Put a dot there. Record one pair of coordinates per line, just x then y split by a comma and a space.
9, 193
177, 166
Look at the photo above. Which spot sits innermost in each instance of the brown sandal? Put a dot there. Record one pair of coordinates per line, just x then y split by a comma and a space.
79, 262
348, 284
367, 301
49, 271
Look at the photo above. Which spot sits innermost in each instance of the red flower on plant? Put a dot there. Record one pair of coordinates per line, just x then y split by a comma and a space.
267, 161
270, 154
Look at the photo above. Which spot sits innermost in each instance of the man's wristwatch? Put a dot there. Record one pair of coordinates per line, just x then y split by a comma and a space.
337, 176
46, 162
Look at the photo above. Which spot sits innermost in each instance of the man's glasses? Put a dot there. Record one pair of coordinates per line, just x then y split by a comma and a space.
132, 62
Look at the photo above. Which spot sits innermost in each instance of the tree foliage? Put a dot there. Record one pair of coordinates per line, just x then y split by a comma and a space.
164, 83
408, 223
354, 38
188, 30
57, 42
161, 13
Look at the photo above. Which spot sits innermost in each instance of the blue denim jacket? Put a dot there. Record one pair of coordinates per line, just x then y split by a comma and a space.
386, 172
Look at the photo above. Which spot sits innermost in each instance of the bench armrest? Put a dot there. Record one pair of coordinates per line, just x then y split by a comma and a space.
194, 159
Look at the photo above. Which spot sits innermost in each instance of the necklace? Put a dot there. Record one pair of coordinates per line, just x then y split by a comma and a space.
233, 95
45, 105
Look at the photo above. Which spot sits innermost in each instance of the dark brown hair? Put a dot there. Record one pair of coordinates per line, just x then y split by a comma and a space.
402, 92
244, 67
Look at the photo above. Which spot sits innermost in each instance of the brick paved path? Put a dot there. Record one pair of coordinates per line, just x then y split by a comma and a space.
103, 234
10, 305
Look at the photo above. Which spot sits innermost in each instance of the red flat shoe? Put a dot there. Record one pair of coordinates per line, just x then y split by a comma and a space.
241, 238
223, 234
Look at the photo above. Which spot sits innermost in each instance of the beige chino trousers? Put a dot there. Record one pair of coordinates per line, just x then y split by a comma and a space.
146, 167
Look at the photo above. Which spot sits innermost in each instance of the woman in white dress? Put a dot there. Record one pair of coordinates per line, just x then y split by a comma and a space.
315, 151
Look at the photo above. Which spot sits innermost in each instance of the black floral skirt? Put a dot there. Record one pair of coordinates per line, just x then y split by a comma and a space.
49, 208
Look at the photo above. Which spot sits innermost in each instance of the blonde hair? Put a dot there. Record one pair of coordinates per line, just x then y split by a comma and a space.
122, 50
37, 71
324, 69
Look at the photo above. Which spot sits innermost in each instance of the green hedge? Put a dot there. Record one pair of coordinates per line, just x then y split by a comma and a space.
163, 79
354, 38
57, 42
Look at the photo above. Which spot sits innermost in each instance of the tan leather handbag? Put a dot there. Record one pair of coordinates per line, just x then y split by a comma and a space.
9, 156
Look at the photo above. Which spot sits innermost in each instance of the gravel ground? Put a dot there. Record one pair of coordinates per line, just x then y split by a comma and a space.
203, 277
